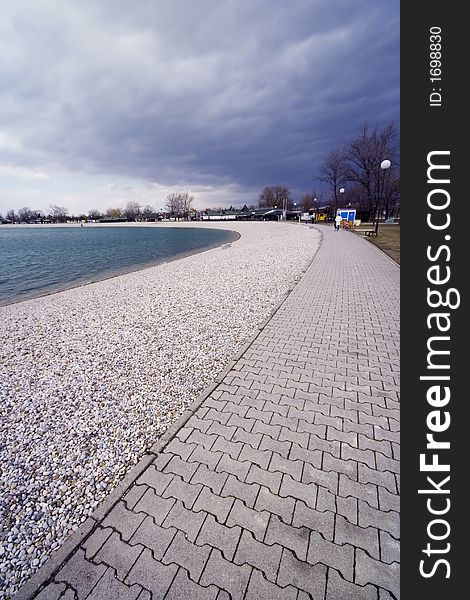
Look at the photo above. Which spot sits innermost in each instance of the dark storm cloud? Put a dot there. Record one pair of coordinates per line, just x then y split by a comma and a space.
209, 92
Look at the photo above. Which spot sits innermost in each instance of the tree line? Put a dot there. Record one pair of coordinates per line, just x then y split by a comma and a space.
178, 205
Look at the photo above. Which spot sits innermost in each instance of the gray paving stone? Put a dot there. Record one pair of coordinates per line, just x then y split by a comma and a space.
389, 548
339, 589
178, 466
247, 492
233, 449
235, 467
301, 491
259, 457
364, 456
340, 557
180, 490
213, 480
328, 479
53, 591
92, 544
255, 521
185, 520
152, 574
311, 579
381, 478
219, 536
110, 587
123, 520
304, 516
261, 589
318, 443
294, 538
365, 491
226, 575
388, 501
284, 507
153, 536
281, 448
325, 500
182, 588
263, 557
247, 437
213, 504
186, 554
206, 457
118, 554
369, 570
366, 538
155, 479
263, 477
80, 574
283, 465
313, 457
386, 521
134, 494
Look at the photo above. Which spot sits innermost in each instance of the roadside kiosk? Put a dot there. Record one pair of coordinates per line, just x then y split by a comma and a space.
348, 216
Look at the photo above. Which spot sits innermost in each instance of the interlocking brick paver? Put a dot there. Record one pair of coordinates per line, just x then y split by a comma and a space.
118, 554
186, 554
311, 579
80, 574
214, 504
284, 507
294, 538
315, 520
340, 557
110, 587
152, 574
284, 482
266, 478
213, 480
226, 575
184, 519
261, 589
153, 536
366, 538
256, 554
182, 588
255, 521
369, 570
219, 536
339, 589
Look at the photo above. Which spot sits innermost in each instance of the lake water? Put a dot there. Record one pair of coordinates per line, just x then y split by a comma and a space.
40, 260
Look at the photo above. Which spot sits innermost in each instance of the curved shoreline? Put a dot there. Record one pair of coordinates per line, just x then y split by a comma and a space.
126, 271
94, 375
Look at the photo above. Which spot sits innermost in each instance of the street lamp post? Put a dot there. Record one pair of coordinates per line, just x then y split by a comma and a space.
384, 165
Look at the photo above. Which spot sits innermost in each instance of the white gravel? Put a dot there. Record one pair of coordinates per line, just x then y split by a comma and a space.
91, 377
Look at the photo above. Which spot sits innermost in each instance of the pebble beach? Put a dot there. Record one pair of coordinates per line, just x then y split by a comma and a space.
92, 376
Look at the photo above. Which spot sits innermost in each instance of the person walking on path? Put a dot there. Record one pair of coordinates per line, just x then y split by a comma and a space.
338, 220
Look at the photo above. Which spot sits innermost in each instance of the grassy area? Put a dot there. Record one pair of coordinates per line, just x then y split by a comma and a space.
388, 239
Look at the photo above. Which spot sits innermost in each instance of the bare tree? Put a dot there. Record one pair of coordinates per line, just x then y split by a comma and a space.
309, 201
94, 214
59, 213
11, 216
132, 211
178, 204
333, 172
276, 195
148, 212
25, 215
114, 213
364, 155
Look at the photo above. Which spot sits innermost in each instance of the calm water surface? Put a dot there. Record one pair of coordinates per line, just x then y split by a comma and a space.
40, 260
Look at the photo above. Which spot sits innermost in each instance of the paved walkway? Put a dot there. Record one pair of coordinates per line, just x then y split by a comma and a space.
284, 484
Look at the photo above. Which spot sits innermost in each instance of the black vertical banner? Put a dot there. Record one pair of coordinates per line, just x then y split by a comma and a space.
435, 214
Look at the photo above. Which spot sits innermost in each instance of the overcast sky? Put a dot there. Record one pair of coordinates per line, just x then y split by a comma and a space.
106, 101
